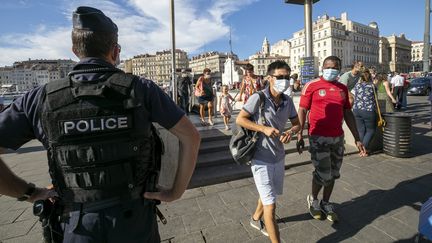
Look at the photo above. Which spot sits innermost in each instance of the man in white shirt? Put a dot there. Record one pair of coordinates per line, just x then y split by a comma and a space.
397, 88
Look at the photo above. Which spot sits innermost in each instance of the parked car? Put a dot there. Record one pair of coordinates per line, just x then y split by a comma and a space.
420, 86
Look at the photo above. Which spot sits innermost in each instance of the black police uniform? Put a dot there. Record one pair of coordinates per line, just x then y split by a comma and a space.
96, 127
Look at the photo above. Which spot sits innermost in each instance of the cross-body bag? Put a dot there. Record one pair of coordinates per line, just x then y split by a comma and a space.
243, 141
380, 121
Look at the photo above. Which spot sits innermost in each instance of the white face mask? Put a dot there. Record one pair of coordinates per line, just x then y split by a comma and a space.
280, 85
330, 74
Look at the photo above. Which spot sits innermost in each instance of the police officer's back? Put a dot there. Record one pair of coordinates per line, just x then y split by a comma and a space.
103, 151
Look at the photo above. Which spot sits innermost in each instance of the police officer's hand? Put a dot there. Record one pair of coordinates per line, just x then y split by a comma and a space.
361, 148
43, 194
271, 132
164, 196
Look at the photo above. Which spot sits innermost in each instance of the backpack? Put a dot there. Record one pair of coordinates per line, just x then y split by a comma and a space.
243, 141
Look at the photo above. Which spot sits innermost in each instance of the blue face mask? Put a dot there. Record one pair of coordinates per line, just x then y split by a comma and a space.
280, 85
330, 74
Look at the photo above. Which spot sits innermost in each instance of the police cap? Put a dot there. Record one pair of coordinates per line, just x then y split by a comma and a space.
88, 18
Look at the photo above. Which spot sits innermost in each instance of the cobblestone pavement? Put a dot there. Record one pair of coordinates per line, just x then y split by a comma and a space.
378, 199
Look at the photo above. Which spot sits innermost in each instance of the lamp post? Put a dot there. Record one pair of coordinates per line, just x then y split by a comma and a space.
308, 64
173, 64
426, 40
308, 22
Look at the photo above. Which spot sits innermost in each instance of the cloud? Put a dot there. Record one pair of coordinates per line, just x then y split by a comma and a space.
144, 27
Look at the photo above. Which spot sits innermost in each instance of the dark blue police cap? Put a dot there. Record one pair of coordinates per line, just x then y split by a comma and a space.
88, 18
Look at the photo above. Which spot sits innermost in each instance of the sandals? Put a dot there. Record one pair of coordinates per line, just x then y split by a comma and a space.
203, 123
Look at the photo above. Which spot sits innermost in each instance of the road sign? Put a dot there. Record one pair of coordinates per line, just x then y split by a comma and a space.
308, 68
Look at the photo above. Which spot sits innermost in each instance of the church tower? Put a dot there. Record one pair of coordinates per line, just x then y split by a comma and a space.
265, 47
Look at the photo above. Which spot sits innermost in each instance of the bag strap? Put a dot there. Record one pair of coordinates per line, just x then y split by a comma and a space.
262, 102
376, 102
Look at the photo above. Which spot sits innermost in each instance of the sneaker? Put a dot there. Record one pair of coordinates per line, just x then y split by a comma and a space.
259, 225
328, 210
314, 207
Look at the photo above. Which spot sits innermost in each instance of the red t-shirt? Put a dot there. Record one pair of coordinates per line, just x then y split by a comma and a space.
326, 102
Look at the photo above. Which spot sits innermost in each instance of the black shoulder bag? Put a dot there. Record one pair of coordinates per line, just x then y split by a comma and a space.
243, 141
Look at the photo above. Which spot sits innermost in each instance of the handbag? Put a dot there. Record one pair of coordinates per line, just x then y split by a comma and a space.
380, 122
243, 141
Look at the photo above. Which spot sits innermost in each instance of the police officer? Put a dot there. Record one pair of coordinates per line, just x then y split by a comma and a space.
103, 151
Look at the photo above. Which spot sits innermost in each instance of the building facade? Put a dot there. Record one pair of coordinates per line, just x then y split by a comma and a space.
26, 75
157, 67
262, 59
395, 54
215, 61
417, 48
281, 48
349, 40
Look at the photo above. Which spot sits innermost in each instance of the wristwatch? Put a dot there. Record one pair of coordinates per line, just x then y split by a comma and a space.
28, 193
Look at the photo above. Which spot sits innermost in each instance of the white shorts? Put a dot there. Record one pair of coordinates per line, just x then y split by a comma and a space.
268, 180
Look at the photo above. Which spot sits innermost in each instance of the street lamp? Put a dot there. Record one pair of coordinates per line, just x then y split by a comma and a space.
173, 64
308, 64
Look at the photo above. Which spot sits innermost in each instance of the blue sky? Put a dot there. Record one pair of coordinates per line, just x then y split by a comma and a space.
41, 28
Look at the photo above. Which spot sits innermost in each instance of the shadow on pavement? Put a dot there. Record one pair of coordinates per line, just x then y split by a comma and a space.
362, 211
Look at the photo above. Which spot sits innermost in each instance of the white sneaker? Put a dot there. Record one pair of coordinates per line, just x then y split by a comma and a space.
314, 207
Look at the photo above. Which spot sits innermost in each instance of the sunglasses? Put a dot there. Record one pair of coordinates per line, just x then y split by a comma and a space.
281, 76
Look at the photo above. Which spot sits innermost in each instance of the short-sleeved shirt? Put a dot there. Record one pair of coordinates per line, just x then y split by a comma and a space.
364, 98
397, 81
326, 101
349, 79
20, 121
270, 150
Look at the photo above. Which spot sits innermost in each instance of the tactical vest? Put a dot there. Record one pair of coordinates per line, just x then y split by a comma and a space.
101, 144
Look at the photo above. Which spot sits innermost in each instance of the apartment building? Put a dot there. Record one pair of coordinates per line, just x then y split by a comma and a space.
262, 59
157, 67
395, 54
347, 39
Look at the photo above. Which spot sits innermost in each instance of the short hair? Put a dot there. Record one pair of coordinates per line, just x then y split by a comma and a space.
334, 59
279, 64
206, 70
249, 67
86, 43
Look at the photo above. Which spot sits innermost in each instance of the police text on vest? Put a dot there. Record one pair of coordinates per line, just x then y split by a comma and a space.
95, 124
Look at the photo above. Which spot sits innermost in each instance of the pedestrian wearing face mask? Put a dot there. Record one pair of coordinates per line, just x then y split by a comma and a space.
268, 162
327, 102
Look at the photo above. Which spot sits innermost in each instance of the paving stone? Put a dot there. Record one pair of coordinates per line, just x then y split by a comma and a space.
210, 202
261, 239
193, 193
293, 213
195, 237
372, 234
16, 229
409, 216
231, 232
198, 221
216, 188
30, 238
229, 214
239, 183
27, 214
301, 232
173, 228
235, 195
179, 208
393, 227
8, 217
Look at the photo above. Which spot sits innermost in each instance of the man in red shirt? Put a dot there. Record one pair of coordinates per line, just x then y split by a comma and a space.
328, 105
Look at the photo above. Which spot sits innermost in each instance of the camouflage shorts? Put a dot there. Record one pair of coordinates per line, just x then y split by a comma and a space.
326, 155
